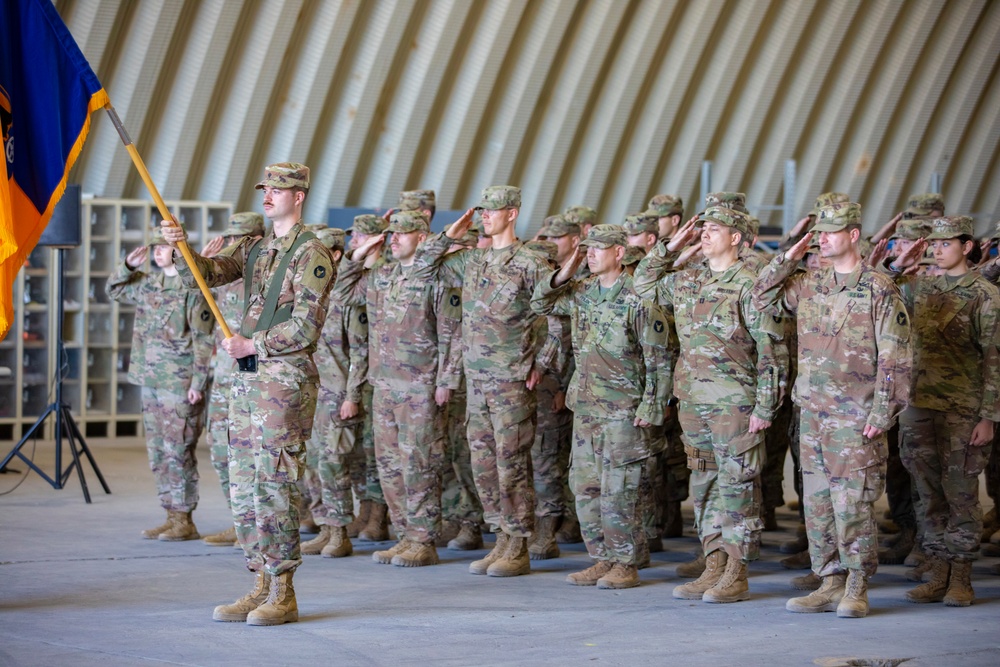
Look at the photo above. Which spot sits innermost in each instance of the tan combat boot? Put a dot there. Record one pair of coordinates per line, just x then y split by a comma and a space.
339, 545
620, 576
732, 587
315, 546
590, 576
569, 530
715, 565
418, 555
799, 561
960, 592
544, 546
226, 538
515, 560
692, 569
385, 557
449, 531
181, 529
933, 590
237, 611
807, 582
153, 533
307, 524
854, 604
469, 538
377, 528
916, 557
825, 598
799, 543
280, 606
360, 519
482, 565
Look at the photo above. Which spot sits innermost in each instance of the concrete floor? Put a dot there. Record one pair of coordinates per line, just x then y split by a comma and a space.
78, 586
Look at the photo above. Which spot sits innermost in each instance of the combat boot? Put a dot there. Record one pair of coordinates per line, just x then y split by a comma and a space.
620, 576
715, 566
732, 587
692, 569
339, 545
935, 589
153, 533
280, 606
307, 524
569, 530
591, 575
825, 598
807, 582
385, 557
226, 538
901, 546
360, 519
799, 561
315, 546
469, 538
449, 531
916, 556
544, 546
377, 528
181, 528
854, 604
798, 544
482, 565
917, 573
515, 560
673, 520
960, 592
237, 611
418, 555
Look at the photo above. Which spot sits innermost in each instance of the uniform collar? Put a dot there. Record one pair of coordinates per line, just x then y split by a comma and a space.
611, 293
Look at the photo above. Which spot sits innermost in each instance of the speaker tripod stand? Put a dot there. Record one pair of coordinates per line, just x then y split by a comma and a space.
64, 419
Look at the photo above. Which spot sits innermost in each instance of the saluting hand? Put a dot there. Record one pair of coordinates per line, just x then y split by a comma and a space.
568, 270
878, 253
367, 248
136, 257
684, 235
213, 247
798, 251
461, 226
687, 255
911, 256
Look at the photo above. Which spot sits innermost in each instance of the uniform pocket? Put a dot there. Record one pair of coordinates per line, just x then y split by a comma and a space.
281, 465
867, 470
746, 455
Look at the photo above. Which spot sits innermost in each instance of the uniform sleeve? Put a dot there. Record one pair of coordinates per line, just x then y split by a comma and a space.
991, 271
450, 268
201, 323
892, 340
125, 284
987, 330
648, 278
772, 358
351, 286
559, 332
448, 311
549, 300
653, 328
357, 341
775, 290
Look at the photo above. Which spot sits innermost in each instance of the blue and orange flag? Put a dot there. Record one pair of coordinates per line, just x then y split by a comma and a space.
47, 93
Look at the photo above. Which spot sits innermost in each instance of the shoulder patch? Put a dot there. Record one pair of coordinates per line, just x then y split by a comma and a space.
363, 317
777, 319
205, 315
319, 271
901, 318
658, 326
454, 300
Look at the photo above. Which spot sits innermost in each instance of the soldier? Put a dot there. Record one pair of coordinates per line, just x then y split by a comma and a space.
668, 211
287, 276
582, 216
619, 390
501, 370
853, 378
806, 224
564, 234
412, 326
729, 381
171, 349
642, 231
230, 301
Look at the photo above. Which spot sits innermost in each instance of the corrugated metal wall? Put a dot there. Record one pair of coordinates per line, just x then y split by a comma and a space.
597, 102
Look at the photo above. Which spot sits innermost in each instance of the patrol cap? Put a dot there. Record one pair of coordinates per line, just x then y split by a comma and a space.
727, 217
633, 255
753, 226
409, 221
332, 237
369, 223
412, 200
557, 225
662, 206
924, 204
912, 229
497, 197
156, 237
837, 217
469, 239
640, 223
605, 236
736, 201
581, 215
951, 227
546, 248
245, 224
285, 175
828, 199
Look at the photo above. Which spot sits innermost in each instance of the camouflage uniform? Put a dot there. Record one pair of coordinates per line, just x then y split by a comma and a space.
171, 350
622, 373
853, 370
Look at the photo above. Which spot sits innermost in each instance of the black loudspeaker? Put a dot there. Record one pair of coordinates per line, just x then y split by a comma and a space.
65, 229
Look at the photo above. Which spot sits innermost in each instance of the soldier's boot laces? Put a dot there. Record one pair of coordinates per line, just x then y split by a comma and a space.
237, 611
854, 604
620, 576
544, 544
315, 546
360, 519
226, 538
901, 547
339, 545
936, 587
515, 560
715, 567
418, 555
807, 582
182, 528
692, 569
377, 528
153, 533
825, 598
799, 561
733, 587
280, 606
590, 576
482, 565
960, 592
797, 544
673, 523
569, 530
385, 557
469, 538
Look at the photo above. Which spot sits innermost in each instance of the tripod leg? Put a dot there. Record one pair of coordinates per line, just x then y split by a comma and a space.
64, 413
85, 449
53, 481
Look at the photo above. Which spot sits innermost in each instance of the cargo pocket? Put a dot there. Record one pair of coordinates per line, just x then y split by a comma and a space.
281, 465
868, 470
975, 459
746, 456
